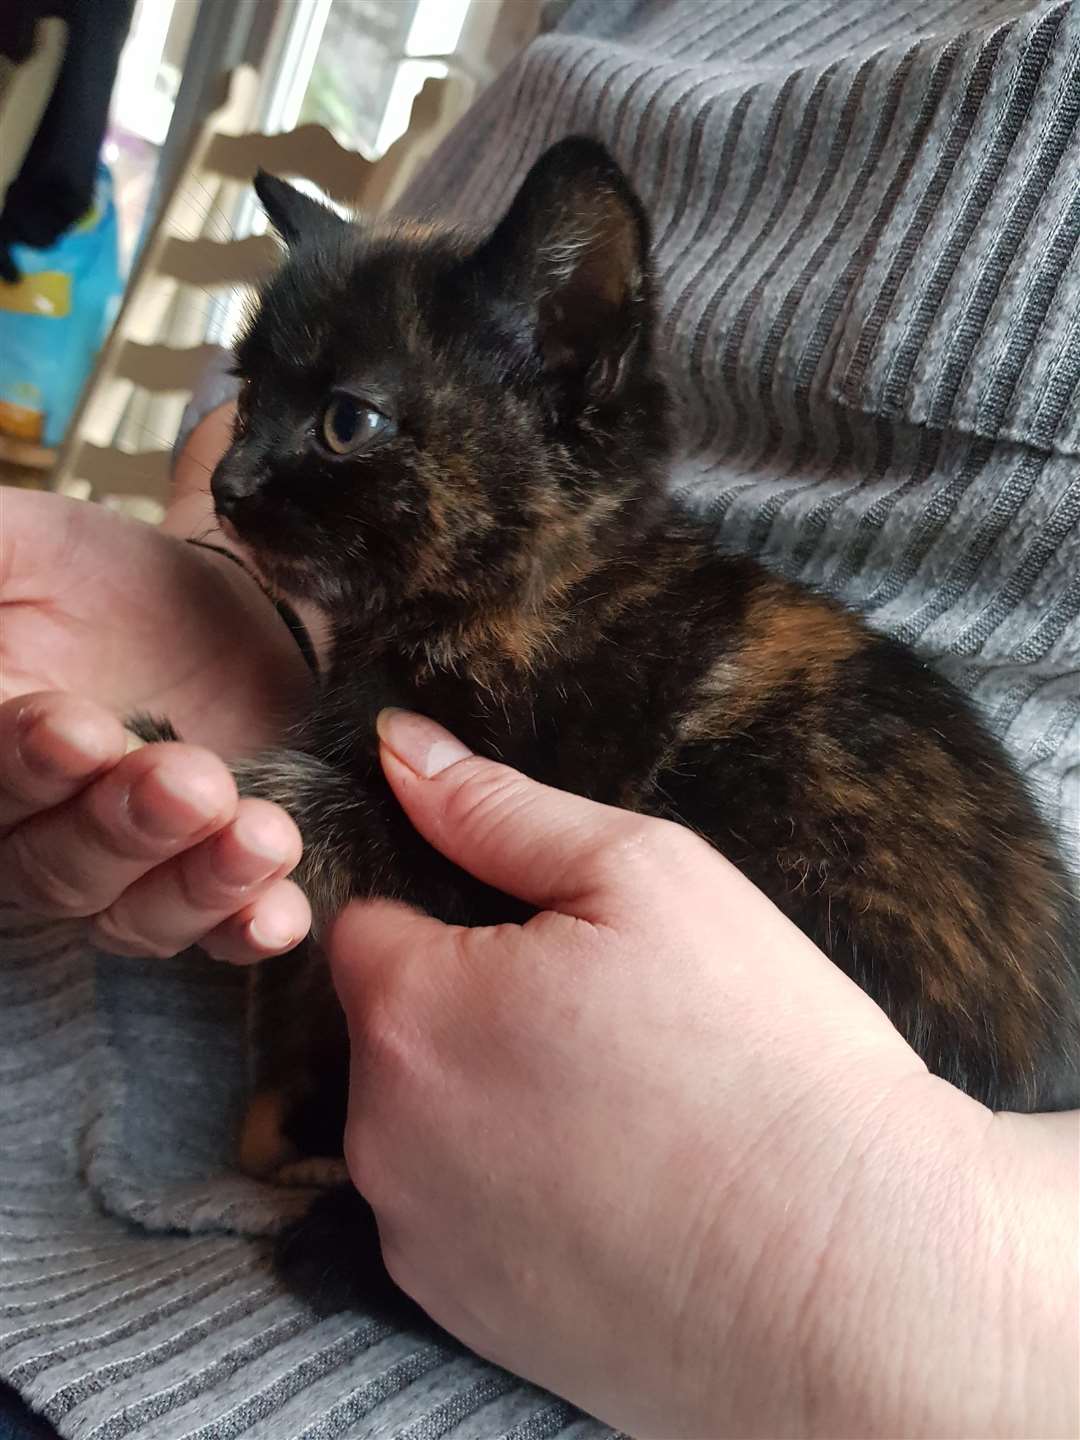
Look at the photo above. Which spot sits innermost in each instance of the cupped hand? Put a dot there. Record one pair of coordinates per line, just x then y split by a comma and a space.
653, 1151
135, 619
100, 617
152, 846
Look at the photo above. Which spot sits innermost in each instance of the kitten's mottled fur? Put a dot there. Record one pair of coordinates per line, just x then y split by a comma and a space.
502, 556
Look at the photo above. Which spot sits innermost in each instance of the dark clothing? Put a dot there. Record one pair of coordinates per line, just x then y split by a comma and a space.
55, 184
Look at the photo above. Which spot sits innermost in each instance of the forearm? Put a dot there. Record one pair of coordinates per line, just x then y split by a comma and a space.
945, 1301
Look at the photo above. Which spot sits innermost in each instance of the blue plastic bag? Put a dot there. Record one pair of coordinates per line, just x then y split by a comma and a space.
54, 319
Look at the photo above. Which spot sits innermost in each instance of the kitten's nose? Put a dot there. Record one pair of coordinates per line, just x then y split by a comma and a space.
232, 483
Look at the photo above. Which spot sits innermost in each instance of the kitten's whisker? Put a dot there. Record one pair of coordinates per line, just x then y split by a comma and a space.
142, 429
214, 210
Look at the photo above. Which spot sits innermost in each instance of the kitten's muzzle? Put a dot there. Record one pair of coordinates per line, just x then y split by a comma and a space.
245, 510
230, 488
239, 476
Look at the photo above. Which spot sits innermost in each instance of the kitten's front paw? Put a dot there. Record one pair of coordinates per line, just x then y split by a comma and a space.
149, 729
329, 814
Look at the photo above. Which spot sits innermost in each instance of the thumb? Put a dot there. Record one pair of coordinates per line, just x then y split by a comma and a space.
551, 849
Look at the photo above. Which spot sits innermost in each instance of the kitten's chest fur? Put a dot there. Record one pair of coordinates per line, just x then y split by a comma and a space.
593, 693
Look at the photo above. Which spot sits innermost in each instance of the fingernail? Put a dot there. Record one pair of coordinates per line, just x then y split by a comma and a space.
268, 932
426, 748
132, 743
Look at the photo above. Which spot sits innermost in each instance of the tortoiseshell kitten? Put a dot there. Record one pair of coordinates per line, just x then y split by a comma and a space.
458, 447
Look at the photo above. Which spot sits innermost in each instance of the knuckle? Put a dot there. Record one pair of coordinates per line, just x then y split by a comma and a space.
39, 887
109, 837
630, 848
226, 947
486, 801
673, 843
197, 888
24, 765
112, 934
396, 1261
370, 1162
386, 1035
361, 1161
647, 849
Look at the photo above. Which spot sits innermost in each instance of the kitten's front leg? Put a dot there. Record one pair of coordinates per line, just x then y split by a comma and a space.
346, 850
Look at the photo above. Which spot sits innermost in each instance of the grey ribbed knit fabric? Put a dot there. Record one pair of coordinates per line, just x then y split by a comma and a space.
866, 215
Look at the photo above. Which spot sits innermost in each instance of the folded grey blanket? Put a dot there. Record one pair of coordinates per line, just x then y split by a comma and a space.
866, 218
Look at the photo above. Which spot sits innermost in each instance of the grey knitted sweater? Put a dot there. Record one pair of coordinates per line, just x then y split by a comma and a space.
866, 218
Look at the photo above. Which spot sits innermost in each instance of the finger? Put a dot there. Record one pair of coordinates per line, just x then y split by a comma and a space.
274, 923
179, 902
52, 745
78, 858
551, 849
369, 934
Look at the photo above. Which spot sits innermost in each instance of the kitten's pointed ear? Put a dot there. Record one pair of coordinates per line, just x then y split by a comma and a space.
292, 213
572, 252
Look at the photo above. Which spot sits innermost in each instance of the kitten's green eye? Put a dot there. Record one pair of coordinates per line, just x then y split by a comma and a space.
348, 425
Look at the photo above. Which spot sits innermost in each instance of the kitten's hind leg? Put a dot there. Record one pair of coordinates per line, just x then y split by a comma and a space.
298, 1109
277, 1141
299, 1049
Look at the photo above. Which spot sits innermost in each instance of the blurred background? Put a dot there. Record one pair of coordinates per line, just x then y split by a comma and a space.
129, 234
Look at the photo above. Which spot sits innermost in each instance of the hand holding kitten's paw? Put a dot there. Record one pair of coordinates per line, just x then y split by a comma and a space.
150, 844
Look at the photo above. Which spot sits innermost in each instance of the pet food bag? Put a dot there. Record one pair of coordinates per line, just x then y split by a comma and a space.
53, 320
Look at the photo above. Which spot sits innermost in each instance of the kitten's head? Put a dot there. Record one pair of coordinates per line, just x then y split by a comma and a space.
432, 423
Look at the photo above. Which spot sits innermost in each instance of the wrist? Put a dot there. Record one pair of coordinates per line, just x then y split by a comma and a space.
783, 1248
929, 1313
1033, 1162
861, 1299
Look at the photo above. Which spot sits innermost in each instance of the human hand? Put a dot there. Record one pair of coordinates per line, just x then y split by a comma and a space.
153, 847
99, 617
653, 1151
136, 620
